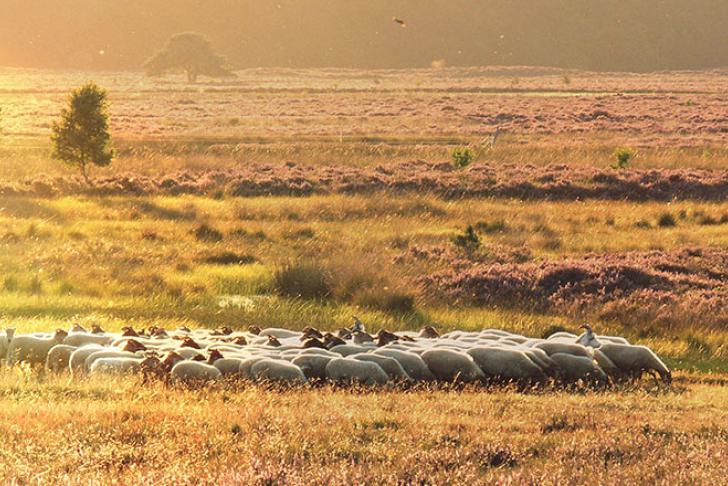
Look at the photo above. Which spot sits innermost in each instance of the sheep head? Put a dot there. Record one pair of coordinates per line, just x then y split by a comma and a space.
214, 356
344, 333
127, 331
429, 332
9, 334
385, 337
96, 329
313, 343
170, 360
222, 331
188, 342
240, 341
78, 328
273, 341
311, 332
330, 340
133, 346
254, 330
184, 329
60, 335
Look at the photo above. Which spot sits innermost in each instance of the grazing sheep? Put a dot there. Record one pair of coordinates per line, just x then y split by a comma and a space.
194, 372
412, 363
506, 364
452, 366
77, 361
313, 365
360, 337
574, 368
552, 347
246, 366
331, 341
59, 357
390, 365
348, 370
277, 371
32, 349
115, 366
228, 366
106, 353
633, 360
189, 353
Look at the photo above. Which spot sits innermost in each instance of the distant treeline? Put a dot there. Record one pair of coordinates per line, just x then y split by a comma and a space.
630, 35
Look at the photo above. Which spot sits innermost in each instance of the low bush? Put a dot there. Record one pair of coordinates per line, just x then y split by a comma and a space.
305, 280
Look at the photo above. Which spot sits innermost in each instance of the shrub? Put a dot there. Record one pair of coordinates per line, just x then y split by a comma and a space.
468, 240
305, 280
387, 300
497, 226
624, 156
207, 233
462, 157
642, 223
666, 220
230, 258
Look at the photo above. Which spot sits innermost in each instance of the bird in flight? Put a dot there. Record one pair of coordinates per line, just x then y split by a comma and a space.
399, 21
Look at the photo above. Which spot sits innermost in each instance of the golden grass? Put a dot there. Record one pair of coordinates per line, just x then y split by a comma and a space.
115, 431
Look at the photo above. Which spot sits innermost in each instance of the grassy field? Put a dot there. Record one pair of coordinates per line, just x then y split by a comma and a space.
391, 257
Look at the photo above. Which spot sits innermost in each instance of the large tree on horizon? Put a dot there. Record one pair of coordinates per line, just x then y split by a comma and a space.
191, 53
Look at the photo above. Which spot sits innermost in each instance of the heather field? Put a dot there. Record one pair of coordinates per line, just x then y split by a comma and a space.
348, 175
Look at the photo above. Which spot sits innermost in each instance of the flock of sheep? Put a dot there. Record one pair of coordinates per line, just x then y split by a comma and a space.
348, 356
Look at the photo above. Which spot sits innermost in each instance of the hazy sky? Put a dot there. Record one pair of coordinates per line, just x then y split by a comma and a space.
594, 34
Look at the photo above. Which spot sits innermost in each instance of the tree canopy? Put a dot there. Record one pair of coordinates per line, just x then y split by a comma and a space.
190, 53
81, 137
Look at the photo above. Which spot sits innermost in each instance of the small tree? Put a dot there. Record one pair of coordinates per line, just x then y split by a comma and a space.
624, 156
81, 136
190, 53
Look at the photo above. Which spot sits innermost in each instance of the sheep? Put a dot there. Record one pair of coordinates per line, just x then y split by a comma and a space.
633, 360
77, 361
452, 366
507, 364
412, 363
313, 365
228, 366
348, 370
348, 349
277, 371
115, 366
32, 349
390, 365
79, 339
574, 368
279, 333
59, 357
194, 371
552, 347
429, 332
361, 337
246, 366
106, 353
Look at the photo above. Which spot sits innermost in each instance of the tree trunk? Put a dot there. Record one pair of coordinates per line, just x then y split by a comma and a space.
84, 172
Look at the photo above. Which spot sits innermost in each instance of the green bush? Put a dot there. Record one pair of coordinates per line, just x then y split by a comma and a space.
207, 233
462, 157
305, 280
387, 300
624, 156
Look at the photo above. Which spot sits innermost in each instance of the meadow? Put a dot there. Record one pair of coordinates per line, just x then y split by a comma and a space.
347, 176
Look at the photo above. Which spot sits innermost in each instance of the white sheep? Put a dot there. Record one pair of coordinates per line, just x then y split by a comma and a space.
349, 370
115, 366
79, 339
279, 333
77, 361
507, 364
573, 368
411, 362
391, 366
633, 360
452, 366
106, 353
59, 357
552, 347
274, 370
228, 366
349, 349
194, 371
33, 349
313, 365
